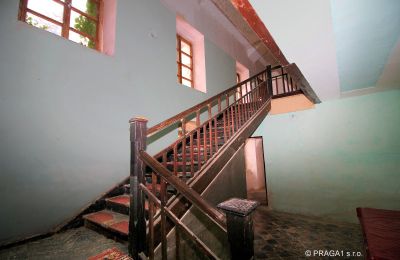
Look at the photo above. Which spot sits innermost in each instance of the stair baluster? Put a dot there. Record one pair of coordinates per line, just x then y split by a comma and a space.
192, 162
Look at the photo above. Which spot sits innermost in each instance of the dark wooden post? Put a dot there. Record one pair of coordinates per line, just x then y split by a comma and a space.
269, 81
137, 222
240, 226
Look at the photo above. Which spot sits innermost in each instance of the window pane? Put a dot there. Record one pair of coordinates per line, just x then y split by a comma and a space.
87, 6
48, 8
186, 83
76, 37
43, 24
186, 73
186, 47
85, 25
186, 60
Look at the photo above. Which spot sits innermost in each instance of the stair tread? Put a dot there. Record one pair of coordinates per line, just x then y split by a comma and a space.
120, 199
180, 163
149, 186
110, 220
124, 200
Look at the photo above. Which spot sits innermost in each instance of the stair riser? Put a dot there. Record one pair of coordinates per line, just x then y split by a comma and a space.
117, 207
170, 190
181, 168
220, 142
111, 234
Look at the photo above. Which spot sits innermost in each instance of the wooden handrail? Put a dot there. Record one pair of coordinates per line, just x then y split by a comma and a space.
300, 83
206, 122
240, 104
212, 100
185, 190
178, 223
191, 153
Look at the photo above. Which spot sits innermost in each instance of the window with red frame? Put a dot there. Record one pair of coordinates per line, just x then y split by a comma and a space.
76, 20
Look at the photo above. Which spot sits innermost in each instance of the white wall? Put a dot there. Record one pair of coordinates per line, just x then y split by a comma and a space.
206, 17
304, 32
64, 109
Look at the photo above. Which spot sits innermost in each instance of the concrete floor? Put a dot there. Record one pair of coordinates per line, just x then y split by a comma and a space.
277, 236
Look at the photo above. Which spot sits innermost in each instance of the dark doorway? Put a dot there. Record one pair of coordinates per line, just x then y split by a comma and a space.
255, 170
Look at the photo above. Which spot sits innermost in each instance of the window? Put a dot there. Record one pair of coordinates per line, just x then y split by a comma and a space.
190, 57
76, 20
184, 61
242, 73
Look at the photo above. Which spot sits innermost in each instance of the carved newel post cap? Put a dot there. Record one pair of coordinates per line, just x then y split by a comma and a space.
239, 207
138, 118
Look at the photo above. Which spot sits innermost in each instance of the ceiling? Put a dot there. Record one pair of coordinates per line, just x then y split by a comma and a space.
343, 47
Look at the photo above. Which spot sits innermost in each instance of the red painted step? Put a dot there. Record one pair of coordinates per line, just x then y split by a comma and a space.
110, 220
121, 200
124, 200
148, 185
122, 227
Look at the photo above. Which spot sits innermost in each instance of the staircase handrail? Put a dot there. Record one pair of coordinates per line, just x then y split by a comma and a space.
240, 108
210, 101
185, 190
180, 139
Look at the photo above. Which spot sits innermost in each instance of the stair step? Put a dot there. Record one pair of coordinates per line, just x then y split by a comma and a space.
181, 169
149, 186
121, 200
196, 154
195, 147
109, 220
170, 189
183, 166
119, 204
220, 141
180, 163
127, 188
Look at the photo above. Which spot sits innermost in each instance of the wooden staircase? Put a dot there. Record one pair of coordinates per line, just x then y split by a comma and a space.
165, 185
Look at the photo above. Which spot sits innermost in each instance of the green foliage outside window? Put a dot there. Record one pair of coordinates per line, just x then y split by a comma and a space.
30, 21
84, 24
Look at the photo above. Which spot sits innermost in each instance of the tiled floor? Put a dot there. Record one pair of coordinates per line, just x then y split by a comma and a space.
289, 236
277, 236
74, 244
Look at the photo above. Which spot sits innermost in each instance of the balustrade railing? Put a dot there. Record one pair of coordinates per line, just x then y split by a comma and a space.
283, 84
155, 180
187, 155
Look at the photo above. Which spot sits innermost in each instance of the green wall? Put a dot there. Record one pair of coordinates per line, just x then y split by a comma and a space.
64, 110
341, 155
366, 32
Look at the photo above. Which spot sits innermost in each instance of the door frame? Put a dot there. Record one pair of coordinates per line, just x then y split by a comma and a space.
265, 173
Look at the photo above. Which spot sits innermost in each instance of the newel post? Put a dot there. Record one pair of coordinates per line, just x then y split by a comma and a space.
269, 80
137, 222
240, 226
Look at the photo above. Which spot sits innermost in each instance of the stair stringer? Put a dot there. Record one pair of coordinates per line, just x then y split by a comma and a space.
205, 229
178, 204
